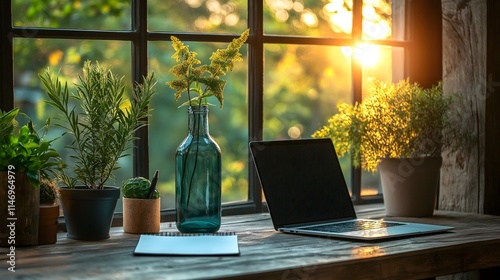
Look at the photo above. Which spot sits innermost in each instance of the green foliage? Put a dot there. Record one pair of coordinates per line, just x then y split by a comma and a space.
396, 120
49, 191
57, 13
138, 187
8, 122
25, 149
105, 127
190, 77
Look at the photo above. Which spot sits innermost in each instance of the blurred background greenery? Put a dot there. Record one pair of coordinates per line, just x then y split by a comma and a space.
303, 83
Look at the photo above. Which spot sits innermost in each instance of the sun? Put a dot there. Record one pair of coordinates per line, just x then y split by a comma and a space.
366, 54
375, 26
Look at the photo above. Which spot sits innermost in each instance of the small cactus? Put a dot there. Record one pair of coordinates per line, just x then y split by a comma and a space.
138, 187
49, 191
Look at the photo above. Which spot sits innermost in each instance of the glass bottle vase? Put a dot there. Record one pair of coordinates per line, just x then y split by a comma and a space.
198, 177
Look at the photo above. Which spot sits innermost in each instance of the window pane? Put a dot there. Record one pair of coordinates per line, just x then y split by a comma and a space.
377, 18
303, 85
333, 18
88, 14
398, 26
216, 16
308, 17
65, 57
228, 126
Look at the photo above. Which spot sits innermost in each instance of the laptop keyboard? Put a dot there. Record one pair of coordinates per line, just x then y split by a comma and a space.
352, 226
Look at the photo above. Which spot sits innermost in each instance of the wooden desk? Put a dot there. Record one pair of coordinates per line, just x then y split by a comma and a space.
266, 254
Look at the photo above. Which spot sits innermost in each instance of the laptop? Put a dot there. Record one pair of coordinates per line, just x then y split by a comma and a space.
306, 193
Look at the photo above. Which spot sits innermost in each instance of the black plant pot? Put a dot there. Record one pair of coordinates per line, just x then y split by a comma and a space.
88, 213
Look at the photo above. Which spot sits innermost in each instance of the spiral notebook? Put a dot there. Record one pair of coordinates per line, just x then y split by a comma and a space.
171, 243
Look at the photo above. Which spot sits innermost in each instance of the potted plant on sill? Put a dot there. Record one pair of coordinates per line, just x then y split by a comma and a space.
25, 157
141, 205
102, 129
401, 129
49, 212
198, 157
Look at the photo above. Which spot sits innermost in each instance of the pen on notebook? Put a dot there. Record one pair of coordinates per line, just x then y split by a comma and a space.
153, 185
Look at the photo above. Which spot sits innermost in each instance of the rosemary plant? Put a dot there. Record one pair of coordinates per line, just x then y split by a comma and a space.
103, 129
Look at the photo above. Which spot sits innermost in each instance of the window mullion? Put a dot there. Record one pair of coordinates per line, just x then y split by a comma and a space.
357, 84
139, 13
7, 67
255, 90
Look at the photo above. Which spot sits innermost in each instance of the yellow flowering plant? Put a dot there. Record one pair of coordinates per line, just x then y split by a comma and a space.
396, 121
190, 75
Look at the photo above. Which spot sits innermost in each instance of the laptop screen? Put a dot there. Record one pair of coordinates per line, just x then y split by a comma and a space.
302, 181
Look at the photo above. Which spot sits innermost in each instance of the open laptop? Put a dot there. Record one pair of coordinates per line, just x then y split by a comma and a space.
306, 193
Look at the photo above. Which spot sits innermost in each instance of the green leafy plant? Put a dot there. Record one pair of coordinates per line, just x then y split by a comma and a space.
189, 77
395, 121
25, 149
103, 129
138, 187
49, 191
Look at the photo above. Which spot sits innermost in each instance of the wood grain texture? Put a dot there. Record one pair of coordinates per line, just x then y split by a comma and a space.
267, 254
464, 72
26, 203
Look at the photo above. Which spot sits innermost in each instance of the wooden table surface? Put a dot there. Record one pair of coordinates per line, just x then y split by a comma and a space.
267, 254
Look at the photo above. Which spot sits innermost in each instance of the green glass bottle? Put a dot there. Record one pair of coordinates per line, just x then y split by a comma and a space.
198, 177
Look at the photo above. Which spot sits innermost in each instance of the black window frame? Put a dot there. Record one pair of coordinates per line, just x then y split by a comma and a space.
139, 36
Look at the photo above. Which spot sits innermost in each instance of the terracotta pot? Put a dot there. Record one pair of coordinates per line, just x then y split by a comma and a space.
410, 185
47, 227
141, 215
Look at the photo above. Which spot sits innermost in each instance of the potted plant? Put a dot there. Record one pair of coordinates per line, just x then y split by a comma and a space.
25, 157
49, 212
401, 129
141, 205
198, 157
101, 130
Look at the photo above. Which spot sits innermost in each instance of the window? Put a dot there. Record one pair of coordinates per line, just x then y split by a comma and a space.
303, 57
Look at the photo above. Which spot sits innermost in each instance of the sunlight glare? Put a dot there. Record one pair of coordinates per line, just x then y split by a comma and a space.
295, 131
298, 6
193, 3
369, 13
375, 30
281, 15
341, 21
367, 251
334, 6
232, 19
309, 18
368, 55
375, 26
215, 19
213, 6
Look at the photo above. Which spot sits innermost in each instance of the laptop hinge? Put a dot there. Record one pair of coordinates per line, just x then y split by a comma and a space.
317, 222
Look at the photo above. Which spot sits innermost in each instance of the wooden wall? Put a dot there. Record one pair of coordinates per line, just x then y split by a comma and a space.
465, 72
470, 180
